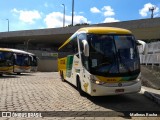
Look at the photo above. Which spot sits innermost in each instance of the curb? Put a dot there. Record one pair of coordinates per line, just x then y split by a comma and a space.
152, 96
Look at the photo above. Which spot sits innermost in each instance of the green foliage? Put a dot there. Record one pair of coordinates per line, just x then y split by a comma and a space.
78, 24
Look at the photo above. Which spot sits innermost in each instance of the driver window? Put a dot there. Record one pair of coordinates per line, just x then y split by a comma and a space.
81, 37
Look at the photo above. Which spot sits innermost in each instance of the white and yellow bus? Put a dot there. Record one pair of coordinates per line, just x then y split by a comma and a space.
17, 61
25, 62
101, 61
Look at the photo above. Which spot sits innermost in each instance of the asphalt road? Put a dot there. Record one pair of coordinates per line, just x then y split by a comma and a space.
44, 91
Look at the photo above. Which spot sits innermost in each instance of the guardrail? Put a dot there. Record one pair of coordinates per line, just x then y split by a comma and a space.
150, 59
152, 56
154, 47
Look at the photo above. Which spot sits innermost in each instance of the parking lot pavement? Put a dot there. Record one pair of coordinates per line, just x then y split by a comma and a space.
40, 92
46, 92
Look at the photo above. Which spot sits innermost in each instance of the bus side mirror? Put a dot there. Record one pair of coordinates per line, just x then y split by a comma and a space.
15, 56
85, 48
142, 47
31, 57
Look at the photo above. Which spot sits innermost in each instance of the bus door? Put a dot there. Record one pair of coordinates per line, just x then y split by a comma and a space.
83, 54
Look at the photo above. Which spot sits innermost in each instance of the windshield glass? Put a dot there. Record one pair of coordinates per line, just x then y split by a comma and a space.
22, 60
113, 54
6, 58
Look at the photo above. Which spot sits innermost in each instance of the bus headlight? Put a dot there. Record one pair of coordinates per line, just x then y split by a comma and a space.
139, 77
98, 82
93, 80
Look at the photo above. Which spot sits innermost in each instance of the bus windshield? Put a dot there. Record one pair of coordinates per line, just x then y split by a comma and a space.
6, 58
113, 55
22, 60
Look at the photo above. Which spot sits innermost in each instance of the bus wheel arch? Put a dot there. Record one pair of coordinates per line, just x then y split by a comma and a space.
62, 76
60, 73
79, 86
18, 73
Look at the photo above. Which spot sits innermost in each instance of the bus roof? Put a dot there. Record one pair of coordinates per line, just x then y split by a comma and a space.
21, 51
105, 30
5, 49
98, 30
16, 51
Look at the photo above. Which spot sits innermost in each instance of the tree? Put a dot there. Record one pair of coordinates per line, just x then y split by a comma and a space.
81, 24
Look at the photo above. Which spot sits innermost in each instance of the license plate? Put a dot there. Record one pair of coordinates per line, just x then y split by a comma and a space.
119, 90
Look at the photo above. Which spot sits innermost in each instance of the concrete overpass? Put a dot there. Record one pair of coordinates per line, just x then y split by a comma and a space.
145, 29
142, 29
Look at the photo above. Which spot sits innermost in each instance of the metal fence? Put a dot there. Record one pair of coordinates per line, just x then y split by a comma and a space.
150, 59
153, 54
154, 47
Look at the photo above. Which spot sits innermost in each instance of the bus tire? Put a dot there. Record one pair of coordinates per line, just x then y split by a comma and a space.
79, 87
18, 73
62, 76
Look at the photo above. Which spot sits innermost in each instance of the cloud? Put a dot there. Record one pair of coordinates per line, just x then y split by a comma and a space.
95, 10
46, 5
145, 10
27, 16
110, 19
55, 19
108, 11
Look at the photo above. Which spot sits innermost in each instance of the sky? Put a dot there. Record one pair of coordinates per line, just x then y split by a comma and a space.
42, 14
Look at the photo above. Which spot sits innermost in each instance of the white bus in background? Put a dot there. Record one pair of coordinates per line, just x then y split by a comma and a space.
17, 61
22, 61
25, 62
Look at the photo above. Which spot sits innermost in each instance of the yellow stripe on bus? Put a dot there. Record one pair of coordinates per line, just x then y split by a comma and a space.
6, 68
22, 67
62, 62
109, 79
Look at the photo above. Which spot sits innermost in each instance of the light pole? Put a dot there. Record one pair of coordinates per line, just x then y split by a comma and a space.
152, 10
63, 15
8, 24
72, 11
28, 43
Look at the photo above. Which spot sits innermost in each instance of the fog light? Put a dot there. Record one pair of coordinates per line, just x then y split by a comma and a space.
94, 90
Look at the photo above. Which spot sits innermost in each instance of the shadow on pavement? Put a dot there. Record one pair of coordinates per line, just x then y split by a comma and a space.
8, 76
126, 104
25, 74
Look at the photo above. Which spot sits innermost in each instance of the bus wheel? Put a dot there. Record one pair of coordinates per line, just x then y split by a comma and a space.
18, 73
79, 87
62, 76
